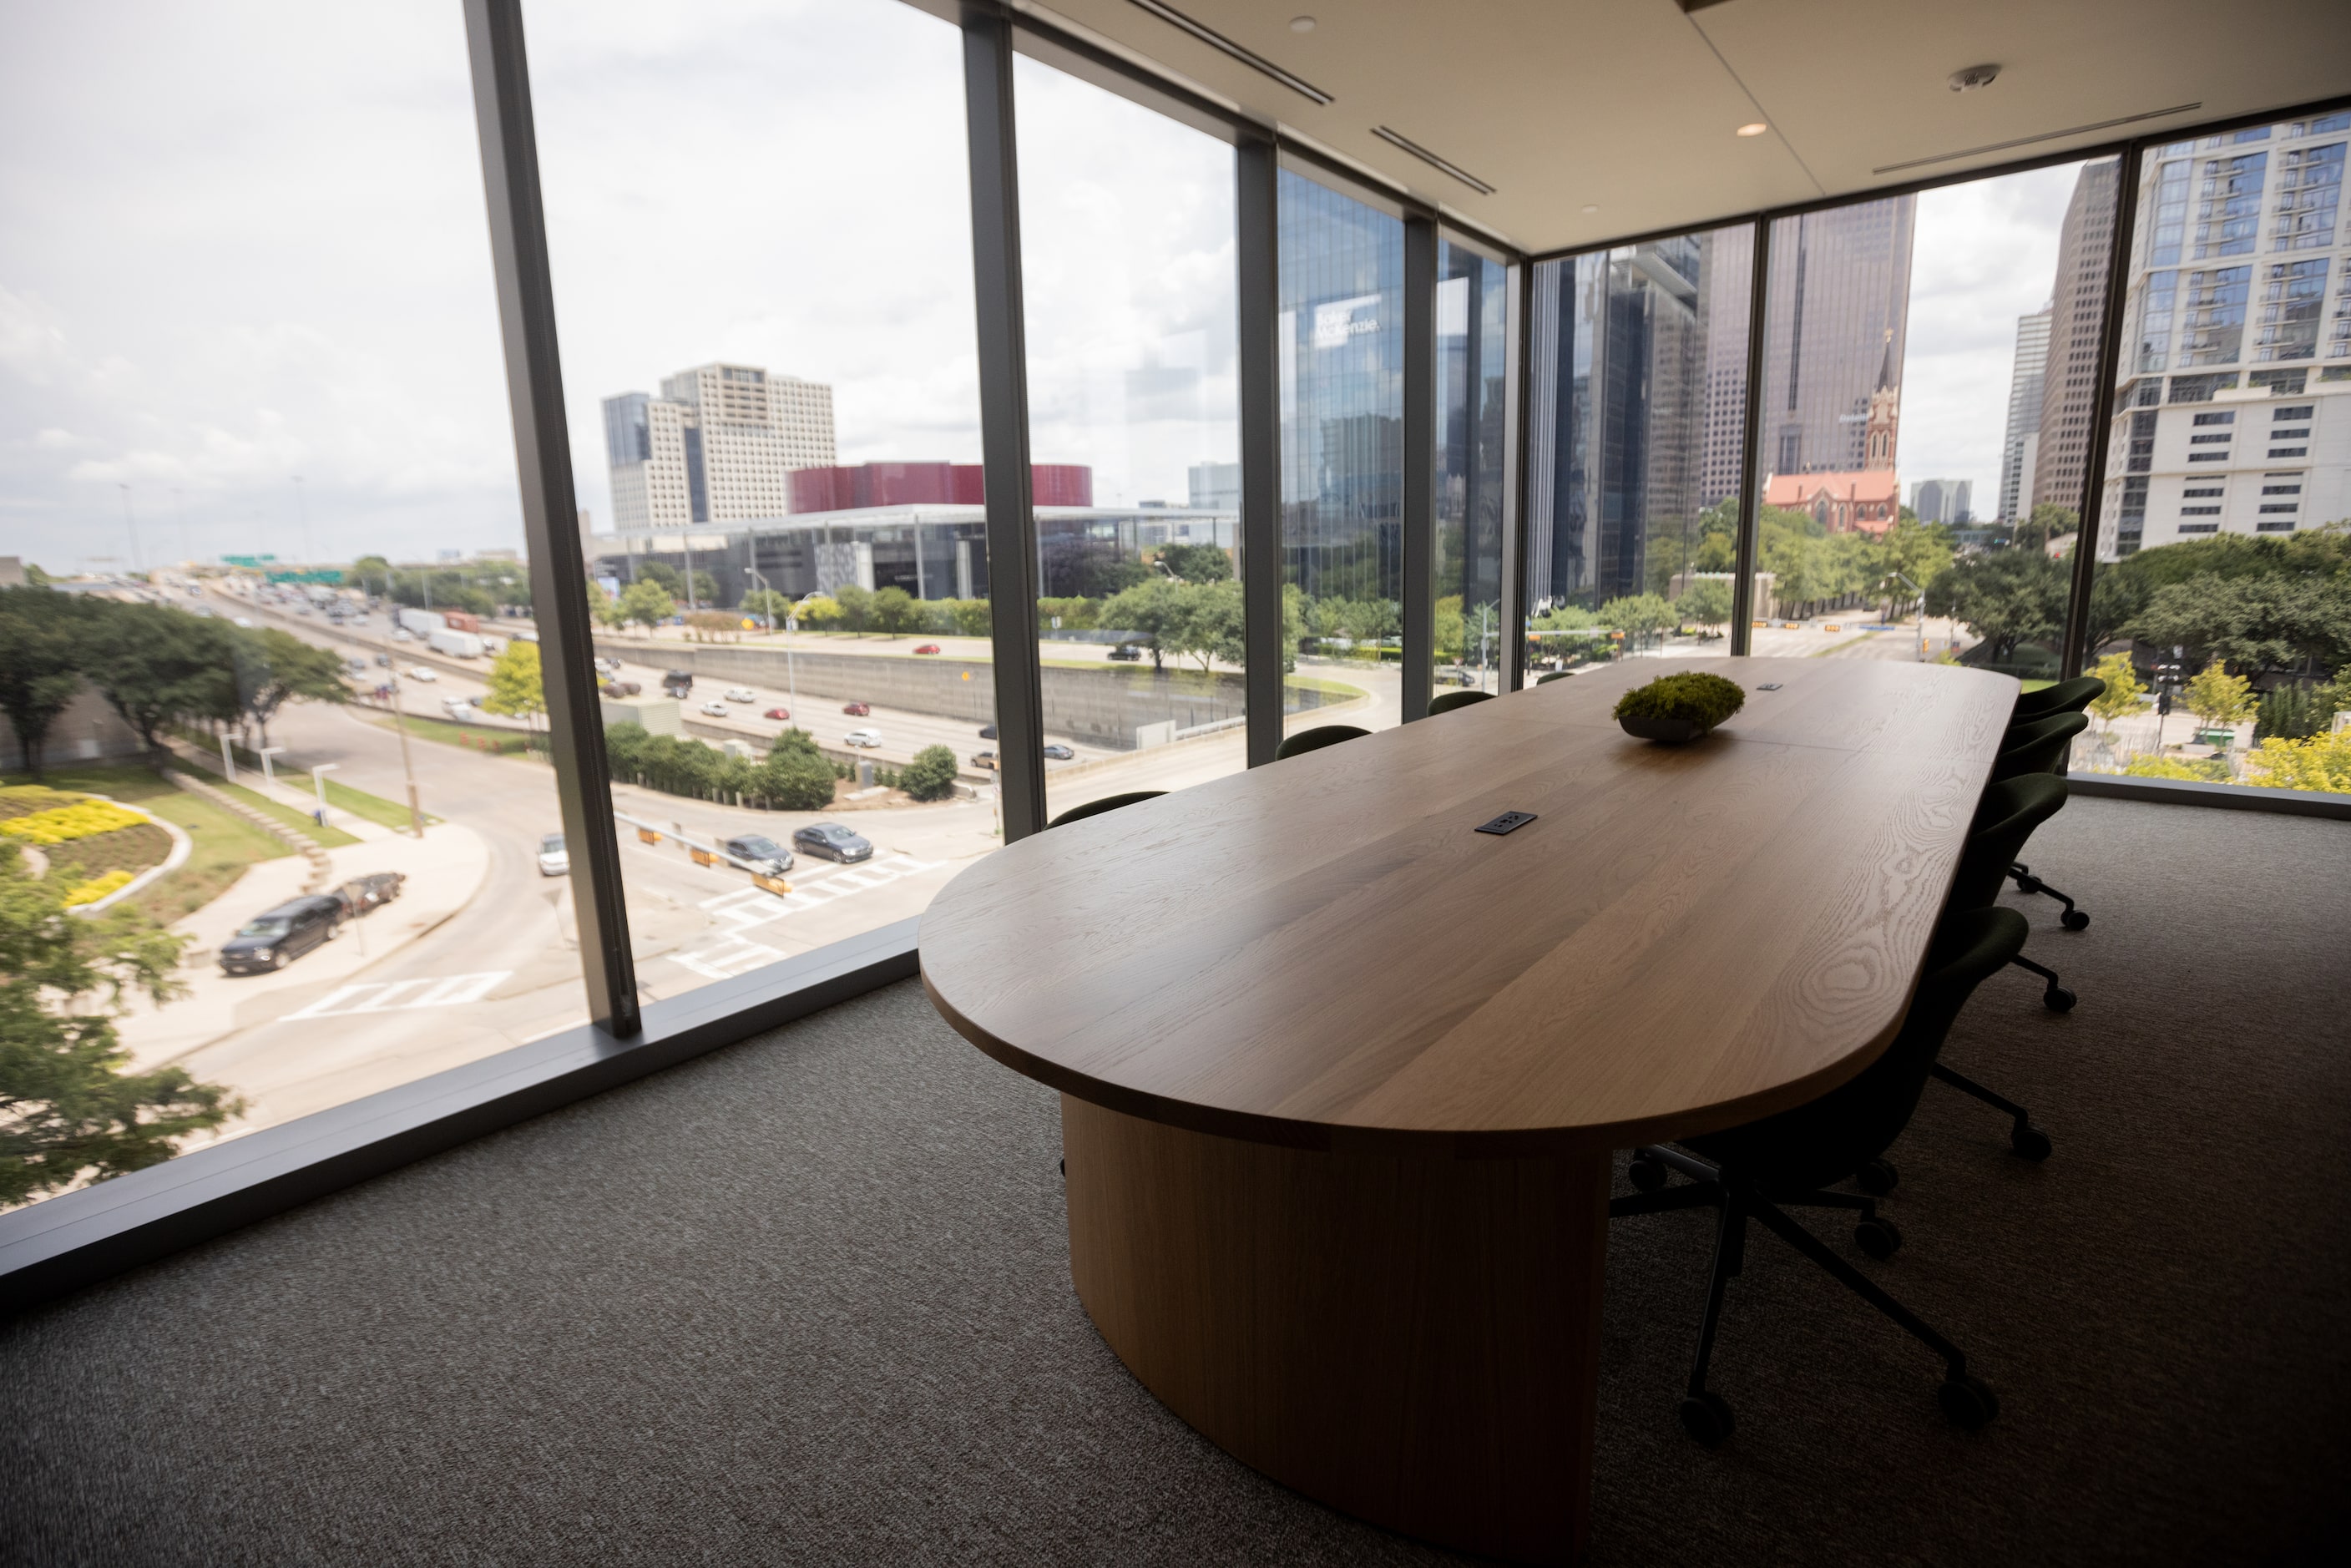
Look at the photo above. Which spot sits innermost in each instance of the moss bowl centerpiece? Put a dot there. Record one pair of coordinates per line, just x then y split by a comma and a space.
1677, 708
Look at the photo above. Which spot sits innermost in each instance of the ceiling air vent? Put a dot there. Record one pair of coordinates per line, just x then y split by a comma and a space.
1248, 57
1432, 160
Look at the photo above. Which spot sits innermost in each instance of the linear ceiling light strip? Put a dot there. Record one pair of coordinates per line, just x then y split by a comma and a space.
1250, 57
1431, 159
2029, 140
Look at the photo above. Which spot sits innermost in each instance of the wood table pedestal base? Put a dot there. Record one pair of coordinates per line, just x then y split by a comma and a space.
1413, 1339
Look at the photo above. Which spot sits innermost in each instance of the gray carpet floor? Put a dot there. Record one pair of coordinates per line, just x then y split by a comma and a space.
807, 1299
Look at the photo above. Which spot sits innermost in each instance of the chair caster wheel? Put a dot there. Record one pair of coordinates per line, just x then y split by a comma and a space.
1065, 1169
1881, 1238
1646, 1173
2073, 920
2031, 1143
1707, 1418
2058, 1000
1968, 1401
1877, 1178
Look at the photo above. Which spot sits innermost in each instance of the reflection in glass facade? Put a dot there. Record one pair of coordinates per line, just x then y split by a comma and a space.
1471, 321
1835, 331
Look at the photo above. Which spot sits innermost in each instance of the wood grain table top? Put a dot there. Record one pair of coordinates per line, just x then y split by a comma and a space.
1323, 952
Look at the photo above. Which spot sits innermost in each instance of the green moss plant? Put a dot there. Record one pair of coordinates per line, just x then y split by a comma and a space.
1692, 695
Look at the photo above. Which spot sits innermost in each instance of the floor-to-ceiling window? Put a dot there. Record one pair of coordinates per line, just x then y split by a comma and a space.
762, 265
1129, 285
1472, 308
2220, 616
1635, 403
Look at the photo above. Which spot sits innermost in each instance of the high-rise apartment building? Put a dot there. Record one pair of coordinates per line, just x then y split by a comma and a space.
1947, 501
2234, 411
2019, 447
717, 445
1834, 336
2069, 388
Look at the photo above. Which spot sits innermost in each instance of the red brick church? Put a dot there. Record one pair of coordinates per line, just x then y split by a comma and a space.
1866, 500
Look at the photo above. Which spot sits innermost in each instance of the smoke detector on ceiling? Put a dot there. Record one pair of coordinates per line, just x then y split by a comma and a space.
1974, 77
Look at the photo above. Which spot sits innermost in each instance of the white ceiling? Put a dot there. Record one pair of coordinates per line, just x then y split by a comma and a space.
1629, 106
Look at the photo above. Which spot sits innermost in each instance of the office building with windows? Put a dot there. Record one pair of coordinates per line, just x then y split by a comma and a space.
2020, 446
1943, 501
2069, 382
1839, 317
718, 445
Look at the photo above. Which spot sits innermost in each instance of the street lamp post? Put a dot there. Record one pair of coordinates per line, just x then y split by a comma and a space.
318, 771
268, 776
229, 759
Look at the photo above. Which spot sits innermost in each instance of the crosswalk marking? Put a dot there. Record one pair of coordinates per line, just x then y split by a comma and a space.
385, 995
747, 909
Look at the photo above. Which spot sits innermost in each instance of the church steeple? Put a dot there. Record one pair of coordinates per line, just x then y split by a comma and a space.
1885, 414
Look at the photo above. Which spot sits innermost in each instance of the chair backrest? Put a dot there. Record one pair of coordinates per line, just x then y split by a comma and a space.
2006, 817
2065, 696
1107, 804
1554, 675
1316, 739
1452, 700
2038, 747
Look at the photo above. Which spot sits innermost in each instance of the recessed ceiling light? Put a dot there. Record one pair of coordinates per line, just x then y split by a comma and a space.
1301, 24
1755, 128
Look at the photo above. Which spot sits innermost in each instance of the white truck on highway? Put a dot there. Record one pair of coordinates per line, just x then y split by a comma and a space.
421, 622
454, 644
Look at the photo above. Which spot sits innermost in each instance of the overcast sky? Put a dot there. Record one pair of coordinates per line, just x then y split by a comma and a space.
245, 241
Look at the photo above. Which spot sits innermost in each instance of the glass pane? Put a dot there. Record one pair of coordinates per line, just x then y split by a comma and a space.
776, 435
1637, 409
1341, 387
1126, 228
1471, 306
269, 427
2229, 459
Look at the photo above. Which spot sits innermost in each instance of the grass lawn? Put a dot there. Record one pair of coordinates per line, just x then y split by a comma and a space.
222, 844
1338, 689
344, 796
325, 838
447, 732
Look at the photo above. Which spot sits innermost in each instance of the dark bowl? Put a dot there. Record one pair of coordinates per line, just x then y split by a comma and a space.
1670, 731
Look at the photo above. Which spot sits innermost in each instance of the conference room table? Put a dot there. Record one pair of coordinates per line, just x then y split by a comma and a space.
1341, 1076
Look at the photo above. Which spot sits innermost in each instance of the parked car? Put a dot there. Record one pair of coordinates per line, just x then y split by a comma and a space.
985, 759
461, 709
928, 648
988, 732
1126, 652
419, 673
276, 937
865, 738
554, 860
374, 891
858, 710
741, 695
1058, 752
398, 633
384, 660
830, 841
761, 853
776, 713
715, 708
608, 667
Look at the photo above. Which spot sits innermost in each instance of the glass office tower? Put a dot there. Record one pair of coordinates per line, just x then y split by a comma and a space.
1836, 327
1471, 321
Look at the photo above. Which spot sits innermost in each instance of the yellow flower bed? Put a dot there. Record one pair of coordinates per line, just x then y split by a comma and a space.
67, 823
92, 892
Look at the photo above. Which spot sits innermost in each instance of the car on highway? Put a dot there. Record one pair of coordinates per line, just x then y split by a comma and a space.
554, 860
461, 709
761, 853
985, 759
830, 841
928, 648
865, 738
245, 622
858, 710
403, 634
677, 682
374, 891
384, 660
776, 713
276, 937
988, 732
715, 708
1058, 752
607, 666
1126, 652
741, 695
419, 673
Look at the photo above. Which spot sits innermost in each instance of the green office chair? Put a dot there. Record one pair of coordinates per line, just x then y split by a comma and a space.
1748, 1173
2065, 696
2038, 747
1452, 700
1107, 804
1307, 740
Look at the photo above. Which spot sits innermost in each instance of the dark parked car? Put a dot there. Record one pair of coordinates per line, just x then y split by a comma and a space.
983, 760
374, 891
761, 853
830, 841
275, 938
677, 682
988, 732
1058, 752
858, 710
1126, 652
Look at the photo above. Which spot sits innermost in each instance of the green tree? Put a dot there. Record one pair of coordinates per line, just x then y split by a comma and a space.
274, 667
1198, 563
2048, 522
2316, 762
931, 776
1210, 622
2275, 621
42, 635
1639, 616
797, 777
1908, 559
762, 604
644, 603
370, 574
2007, 598
896, 612
2123, 689
604, 609
2216, 697
1451, 631
856, 606
70, 1107
1154, 612
515, 687
157, 665
1708, 603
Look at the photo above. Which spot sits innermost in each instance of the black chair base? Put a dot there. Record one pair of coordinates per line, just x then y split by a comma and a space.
2072, 920
2054, 995
1704, 1415
2029, 1141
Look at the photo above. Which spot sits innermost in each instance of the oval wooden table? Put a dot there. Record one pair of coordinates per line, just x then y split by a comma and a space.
1341, 1076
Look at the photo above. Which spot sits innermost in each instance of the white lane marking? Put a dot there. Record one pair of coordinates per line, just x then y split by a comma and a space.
747, 909
378, 996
